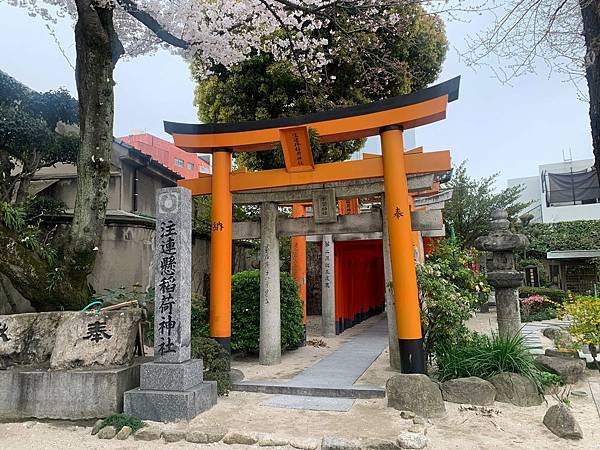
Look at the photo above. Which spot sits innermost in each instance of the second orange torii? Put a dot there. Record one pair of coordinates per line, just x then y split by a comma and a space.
387, 118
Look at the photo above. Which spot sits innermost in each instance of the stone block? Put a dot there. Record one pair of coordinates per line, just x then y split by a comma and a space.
338, 443
378, 444
471, 390
65, 394
175, 435
416, 393
233, 438
570, 370
560, 420
29, 338
170, 406
124, 433
107, 432
152, 433
516, 389
412, 440
90, 339
171, 376
173, 275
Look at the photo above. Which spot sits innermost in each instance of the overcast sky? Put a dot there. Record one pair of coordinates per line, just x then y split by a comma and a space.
497, 128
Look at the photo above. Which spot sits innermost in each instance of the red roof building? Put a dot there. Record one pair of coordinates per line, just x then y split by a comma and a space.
188, 165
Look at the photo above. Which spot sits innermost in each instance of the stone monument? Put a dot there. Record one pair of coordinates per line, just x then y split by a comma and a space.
502, 275
172, 387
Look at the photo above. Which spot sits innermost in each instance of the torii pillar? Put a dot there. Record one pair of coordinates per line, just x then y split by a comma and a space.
220, 249
404, 284
298, 260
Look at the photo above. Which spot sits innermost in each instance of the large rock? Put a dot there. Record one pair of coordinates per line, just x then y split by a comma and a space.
27, 339
516, 389
416, 393
570, 370
561, 422
90, 339
472, 390
552, 332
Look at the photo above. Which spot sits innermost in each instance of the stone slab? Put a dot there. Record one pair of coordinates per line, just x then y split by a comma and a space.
170, 406
173, 275
96, 339
334, 375
171, 376
65, 394
362, 392
29, 338
311, 403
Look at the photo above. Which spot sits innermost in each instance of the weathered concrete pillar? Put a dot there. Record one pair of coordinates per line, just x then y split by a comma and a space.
328, 287
502, 274
270, 312
390, 307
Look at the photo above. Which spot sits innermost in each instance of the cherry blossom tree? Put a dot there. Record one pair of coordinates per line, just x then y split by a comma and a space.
214, 32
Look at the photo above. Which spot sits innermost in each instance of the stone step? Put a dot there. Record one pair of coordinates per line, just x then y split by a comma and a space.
354, 391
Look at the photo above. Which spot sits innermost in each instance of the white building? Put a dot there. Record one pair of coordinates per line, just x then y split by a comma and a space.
561, 192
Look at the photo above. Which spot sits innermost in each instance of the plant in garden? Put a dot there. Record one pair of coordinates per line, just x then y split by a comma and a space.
483, 356
536, 307
584, 314
449, 294
121, 420
245, 312
217, 362
552, 295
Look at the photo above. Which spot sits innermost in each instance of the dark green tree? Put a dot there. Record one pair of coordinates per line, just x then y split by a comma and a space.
28, 137
473, 200
402, 59
36, 130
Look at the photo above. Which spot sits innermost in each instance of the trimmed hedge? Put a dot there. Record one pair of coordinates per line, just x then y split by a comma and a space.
245, 312
556, 295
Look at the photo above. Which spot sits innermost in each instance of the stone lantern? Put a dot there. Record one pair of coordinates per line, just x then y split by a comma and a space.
502, 275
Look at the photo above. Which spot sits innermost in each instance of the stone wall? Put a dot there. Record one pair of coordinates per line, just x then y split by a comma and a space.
125, 259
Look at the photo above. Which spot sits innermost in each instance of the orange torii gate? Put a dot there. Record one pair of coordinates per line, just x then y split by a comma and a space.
388, 118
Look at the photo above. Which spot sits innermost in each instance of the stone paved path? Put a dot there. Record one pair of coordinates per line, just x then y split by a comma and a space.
531, 332
339, 369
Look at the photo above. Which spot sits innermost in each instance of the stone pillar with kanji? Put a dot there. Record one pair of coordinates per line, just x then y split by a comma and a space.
172, 386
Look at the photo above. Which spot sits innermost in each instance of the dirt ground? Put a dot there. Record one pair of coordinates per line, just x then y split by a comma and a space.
503, 426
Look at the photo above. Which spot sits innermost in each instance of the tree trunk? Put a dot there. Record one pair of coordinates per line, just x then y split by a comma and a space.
98, 50
591, 31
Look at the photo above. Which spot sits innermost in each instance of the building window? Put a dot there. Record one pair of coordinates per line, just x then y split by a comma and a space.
190, 166
204, 169
179, 162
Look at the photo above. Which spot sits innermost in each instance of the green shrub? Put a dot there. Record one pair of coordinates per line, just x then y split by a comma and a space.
555, 295
200, 323
450, 293
483, 356
120, 420
245, 312
584, 313
544, 314
217, 362
199, 317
